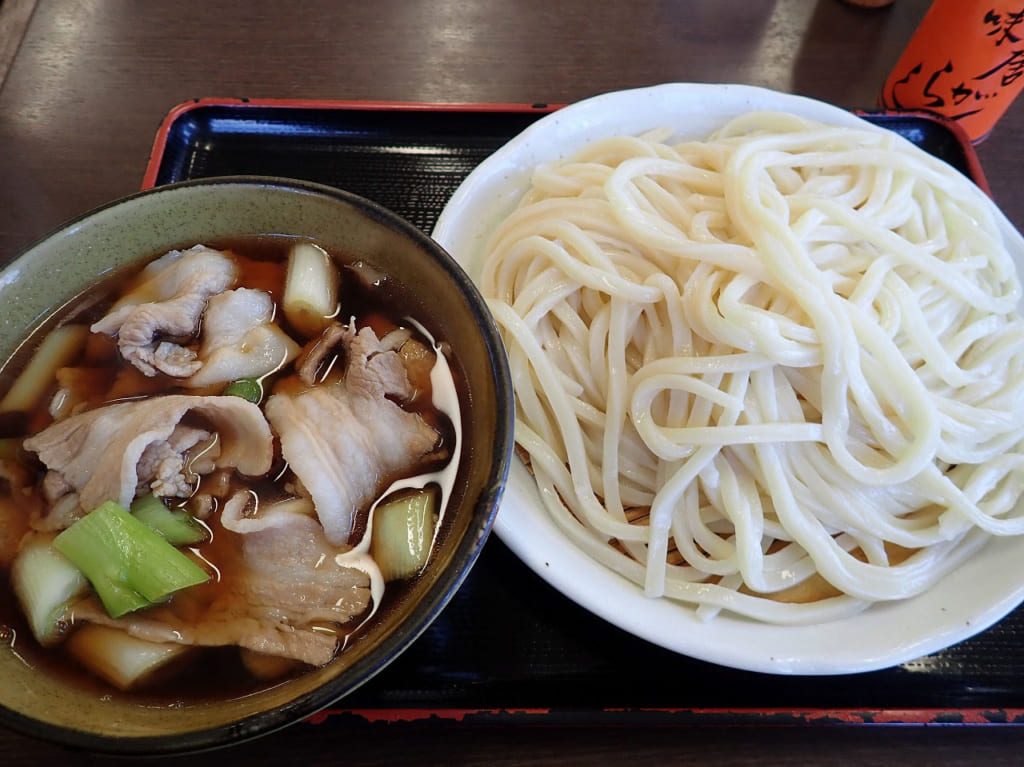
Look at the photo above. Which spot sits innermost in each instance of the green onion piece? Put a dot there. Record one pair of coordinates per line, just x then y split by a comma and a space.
176, 525
129, 565
246, 388
403, 532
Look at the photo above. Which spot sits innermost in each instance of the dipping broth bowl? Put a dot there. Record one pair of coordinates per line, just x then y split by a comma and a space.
141, 226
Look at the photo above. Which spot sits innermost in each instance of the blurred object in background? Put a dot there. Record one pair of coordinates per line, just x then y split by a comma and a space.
869, 3
965, 61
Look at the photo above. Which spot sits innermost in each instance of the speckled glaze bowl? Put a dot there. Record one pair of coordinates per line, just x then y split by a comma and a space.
179, 215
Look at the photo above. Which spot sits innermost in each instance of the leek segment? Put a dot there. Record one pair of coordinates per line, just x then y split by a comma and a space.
46, 584
310, 296
121, 659
403, 533
56, 351
130, 565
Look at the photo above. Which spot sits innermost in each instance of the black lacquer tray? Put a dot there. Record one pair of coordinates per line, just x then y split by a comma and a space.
510, 648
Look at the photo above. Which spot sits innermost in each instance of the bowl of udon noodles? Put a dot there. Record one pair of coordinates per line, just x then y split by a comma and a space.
255, 431
767, 360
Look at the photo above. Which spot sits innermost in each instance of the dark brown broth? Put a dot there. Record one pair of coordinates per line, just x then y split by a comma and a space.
218, 673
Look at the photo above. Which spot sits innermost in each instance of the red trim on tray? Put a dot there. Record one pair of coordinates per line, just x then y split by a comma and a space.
176, 112
393, 716
607, 716
679, 716
163, 131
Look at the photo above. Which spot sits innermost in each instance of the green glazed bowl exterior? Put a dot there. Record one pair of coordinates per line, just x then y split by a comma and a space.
438, 293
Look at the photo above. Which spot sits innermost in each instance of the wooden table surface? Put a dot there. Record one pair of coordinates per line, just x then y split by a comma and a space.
85, 83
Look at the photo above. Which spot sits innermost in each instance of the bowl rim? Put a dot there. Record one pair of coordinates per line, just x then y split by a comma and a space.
464, 556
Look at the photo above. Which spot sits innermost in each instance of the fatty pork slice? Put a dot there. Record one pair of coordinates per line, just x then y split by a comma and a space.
113, 452
166, 308
240, 339
280, 590
344, 440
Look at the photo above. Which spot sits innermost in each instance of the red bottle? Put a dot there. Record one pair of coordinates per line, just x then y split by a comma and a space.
965, 61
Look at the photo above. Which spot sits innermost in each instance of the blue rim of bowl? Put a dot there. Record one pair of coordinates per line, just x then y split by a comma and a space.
484, 510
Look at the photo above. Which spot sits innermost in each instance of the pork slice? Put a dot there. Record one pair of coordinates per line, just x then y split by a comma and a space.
280, 587
315, 353
243, 514
167, 305
114, 451
345, 440
162, 464
240, 339
60, 515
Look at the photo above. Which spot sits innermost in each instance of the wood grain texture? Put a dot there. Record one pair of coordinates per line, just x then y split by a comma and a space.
14, 18
89, 82
93, 80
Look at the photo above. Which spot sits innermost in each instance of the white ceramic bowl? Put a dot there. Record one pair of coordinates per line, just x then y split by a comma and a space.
962, 604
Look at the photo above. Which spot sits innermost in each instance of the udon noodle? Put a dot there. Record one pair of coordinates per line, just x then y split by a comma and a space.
777, 372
